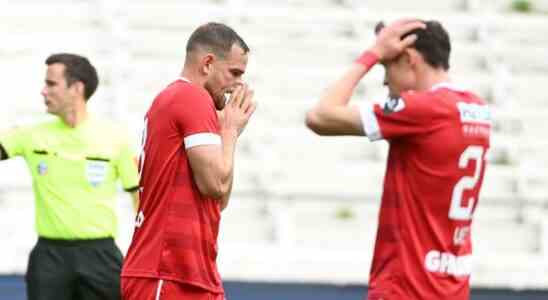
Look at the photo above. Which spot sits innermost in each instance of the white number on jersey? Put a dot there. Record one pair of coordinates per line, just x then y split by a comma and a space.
142, 154
457, 211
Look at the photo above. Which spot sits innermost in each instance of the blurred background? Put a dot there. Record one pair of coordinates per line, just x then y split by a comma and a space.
302, 220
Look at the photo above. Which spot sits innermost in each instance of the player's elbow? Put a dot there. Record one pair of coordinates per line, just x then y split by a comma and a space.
212, 188
315, 121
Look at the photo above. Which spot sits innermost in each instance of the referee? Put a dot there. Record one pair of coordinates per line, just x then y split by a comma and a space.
75, 160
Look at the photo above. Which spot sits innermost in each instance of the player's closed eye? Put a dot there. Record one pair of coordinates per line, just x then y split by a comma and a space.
236, 73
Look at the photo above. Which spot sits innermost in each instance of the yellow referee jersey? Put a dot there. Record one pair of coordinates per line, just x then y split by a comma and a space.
75, 173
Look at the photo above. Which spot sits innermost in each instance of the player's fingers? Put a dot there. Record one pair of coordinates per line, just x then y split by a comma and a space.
408, 41
404, 21
234, 95
241, 96
251, 109
407, 27
248, 99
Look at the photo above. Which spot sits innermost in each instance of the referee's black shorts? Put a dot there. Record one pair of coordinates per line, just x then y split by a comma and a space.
74, 269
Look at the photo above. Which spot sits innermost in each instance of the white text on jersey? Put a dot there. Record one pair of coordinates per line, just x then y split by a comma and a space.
474, 113
448, 263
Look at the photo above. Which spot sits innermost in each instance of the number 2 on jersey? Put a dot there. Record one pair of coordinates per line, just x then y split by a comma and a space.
457, 211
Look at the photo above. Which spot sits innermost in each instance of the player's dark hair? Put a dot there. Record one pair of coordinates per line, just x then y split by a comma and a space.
215, 37
432, 43
77, 68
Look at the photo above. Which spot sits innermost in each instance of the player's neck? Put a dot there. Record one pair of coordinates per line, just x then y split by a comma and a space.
75, 115
432, 77
193, 77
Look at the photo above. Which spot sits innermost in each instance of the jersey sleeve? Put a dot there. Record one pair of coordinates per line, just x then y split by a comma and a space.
127, 168
196, 119
406, 116
15, 141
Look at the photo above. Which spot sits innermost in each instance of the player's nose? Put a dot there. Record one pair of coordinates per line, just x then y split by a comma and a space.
238, 82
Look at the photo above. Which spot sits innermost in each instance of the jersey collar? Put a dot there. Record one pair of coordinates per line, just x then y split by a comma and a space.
82, 125
184, 79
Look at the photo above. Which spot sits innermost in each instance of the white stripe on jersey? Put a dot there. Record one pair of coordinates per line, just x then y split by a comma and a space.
369, 122
159, 289
198, 139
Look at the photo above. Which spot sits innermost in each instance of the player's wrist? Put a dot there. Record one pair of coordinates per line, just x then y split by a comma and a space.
231, 133
378, 50
369, 58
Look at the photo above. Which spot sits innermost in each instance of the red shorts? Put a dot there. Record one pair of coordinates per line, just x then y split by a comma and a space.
134, 288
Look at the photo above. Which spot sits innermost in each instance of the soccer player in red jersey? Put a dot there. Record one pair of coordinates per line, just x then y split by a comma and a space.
186, 171
438, 136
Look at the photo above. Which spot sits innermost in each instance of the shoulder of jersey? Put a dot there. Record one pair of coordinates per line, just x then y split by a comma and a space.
109, 127
35, 121
200, 91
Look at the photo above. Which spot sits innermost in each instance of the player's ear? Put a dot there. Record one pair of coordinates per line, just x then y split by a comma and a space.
81, 88
78, 88
207, 63
412, 57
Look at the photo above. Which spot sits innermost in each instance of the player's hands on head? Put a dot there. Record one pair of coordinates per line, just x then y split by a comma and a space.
389, 43
238, 110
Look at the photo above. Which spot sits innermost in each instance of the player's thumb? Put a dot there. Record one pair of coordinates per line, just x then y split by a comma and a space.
409, 40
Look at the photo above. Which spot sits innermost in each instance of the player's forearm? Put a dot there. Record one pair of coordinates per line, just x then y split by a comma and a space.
340, 92
224, 200
222, 177
332, 115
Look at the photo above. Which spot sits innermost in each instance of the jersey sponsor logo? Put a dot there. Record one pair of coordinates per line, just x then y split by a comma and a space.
476, 130
393, 105
448, 263
42, 168
96, 172
474, 113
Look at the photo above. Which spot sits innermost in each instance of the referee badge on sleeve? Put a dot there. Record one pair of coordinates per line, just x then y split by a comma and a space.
42, 168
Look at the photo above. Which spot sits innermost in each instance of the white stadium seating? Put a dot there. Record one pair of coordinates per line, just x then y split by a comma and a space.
304, 207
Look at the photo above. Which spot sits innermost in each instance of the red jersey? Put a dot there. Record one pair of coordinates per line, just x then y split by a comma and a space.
438, 142
176, 229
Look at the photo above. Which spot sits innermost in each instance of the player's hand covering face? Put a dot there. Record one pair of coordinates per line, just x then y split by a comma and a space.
389, 43
238, 109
